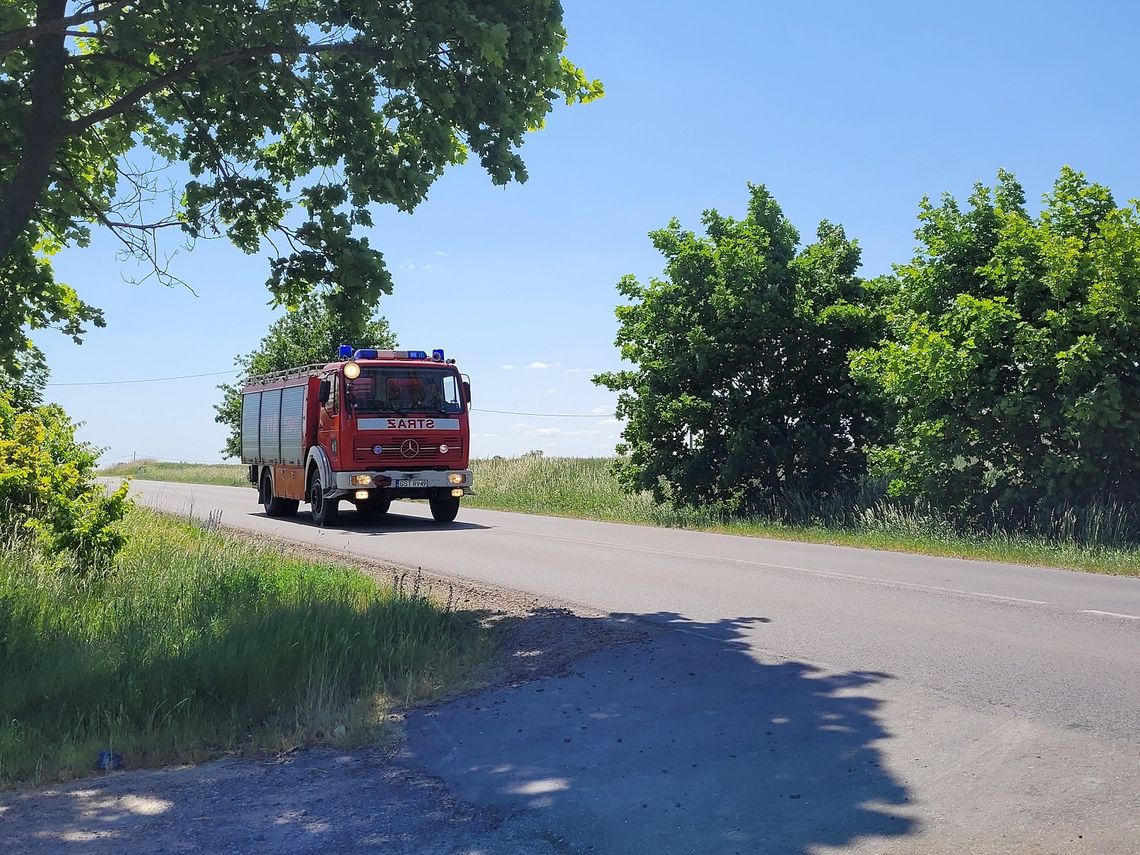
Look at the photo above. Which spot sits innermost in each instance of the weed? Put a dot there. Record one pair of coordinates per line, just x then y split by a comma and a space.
197, 644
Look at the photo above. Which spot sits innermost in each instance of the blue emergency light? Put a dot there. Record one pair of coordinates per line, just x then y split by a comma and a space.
417, 354
365, 353
437, 354
345, 351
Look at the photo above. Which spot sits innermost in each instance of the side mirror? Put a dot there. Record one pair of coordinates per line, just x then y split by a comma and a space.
323, 392
467, 391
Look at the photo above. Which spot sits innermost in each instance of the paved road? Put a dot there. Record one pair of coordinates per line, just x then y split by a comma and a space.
800, 698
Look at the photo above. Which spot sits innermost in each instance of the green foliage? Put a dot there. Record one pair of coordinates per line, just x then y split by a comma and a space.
309, 334
740, 389
291, 119
1012, 353
48, 499
200, 644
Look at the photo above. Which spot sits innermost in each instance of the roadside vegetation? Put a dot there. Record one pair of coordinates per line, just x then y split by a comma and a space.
192, 644
1097, 539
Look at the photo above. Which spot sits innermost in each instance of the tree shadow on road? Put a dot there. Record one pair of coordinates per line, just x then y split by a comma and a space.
689, 743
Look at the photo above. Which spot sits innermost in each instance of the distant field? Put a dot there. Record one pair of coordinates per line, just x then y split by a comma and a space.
584, 487
198, 644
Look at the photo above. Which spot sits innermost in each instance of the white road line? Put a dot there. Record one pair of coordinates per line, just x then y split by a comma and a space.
916, 586
1109, 614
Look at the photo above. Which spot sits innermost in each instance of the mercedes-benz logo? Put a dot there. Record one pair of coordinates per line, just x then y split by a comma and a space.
409, 448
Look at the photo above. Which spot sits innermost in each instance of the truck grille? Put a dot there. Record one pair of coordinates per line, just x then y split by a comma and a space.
392, 454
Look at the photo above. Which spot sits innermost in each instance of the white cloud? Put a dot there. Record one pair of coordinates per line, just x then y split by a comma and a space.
508, 367
484, 435
542, 365
551, 391
554, 431
574, 370
407, 264
519, 426
615, 422
441, 253
602, 411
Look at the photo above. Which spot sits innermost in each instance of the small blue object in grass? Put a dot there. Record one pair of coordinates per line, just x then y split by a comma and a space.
109, 761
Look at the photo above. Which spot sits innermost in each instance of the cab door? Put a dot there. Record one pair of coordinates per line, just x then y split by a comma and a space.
328, 420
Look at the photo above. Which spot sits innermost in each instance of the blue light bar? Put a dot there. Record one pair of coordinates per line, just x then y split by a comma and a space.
417, 354
365, 353
345, 351
437, 354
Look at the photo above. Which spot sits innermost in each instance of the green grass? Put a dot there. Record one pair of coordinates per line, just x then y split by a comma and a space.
197, 644
584, 488
223, 474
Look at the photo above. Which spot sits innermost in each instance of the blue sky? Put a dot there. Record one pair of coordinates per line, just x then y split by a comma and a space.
847, 111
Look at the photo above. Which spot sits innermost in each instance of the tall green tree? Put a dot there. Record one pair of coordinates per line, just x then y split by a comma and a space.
287, 120
310, 334
1012, 352
739, 390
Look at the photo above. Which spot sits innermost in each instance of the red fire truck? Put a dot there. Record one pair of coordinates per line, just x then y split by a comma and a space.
375, 426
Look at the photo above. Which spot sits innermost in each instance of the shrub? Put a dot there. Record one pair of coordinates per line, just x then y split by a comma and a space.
48, 496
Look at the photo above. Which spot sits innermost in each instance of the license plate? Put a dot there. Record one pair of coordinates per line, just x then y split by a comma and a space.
411, 482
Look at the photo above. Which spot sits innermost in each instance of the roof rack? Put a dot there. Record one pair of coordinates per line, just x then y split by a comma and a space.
303, 371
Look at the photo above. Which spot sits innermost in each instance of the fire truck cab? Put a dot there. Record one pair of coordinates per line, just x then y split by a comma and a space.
376, 425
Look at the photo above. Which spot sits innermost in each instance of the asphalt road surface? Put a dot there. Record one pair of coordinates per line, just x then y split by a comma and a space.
798, 698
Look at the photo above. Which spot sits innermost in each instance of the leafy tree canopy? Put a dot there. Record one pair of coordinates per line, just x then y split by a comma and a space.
309, 334
1012, 353
289, 118
739, 390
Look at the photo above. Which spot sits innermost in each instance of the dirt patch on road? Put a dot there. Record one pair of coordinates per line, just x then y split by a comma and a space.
320, 799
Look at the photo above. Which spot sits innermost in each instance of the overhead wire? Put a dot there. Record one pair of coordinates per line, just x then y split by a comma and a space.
236, 370
145, 379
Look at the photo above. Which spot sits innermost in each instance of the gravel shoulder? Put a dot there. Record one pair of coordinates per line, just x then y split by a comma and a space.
367, 800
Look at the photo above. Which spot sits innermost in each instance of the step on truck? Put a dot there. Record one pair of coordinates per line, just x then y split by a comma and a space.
374, 426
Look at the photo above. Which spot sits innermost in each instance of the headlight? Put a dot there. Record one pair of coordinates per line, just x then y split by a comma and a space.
361, 480
456, 478
443, 449
351, 370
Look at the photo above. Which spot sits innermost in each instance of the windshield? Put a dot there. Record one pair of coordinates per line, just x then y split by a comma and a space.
404, 390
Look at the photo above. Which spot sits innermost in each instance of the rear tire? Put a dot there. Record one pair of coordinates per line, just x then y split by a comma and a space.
444, 510
275, 506
325, 511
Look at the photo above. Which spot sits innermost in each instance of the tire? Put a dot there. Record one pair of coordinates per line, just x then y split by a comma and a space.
375, 507
275, 506
325, 511
444, 511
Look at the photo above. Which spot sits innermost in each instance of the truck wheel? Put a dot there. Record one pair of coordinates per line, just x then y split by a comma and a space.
444, 510
325, 511
275, 506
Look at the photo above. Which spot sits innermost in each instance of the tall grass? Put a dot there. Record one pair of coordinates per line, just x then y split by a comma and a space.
223, 474
197, 644
1100, 538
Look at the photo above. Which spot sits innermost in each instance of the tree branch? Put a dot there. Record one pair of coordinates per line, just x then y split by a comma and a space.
159, 83
14, 39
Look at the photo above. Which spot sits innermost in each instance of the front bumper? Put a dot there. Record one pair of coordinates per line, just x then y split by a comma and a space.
385, 482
